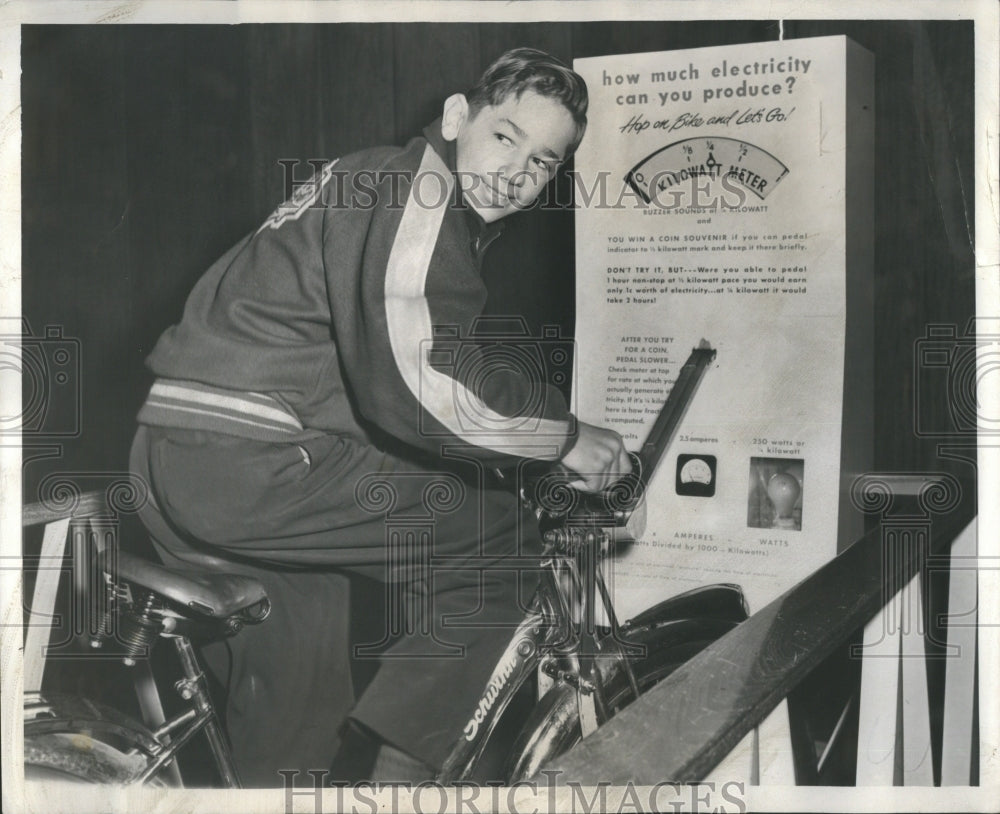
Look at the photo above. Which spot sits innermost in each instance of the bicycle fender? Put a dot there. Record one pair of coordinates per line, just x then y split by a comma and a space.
77, 755
723, 601
62, 712
554, 724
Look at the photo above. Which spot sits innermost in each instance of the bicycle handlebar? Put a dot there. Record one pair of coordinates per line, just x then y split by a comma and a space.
556, 503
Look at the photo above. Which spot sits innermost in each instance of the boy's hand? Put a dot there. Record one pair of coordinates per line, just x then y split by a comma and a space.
599, 457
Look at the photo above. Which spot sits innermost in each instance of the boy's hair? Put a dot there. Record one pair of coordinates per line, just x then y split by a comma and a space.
524, 69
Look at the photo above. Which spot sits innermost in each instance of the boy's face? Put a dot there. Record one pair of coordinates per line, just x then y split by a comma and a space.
505, 155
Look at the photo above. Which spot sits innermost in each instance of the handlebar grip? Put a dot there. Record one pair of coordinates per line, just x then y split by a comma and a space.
552, 496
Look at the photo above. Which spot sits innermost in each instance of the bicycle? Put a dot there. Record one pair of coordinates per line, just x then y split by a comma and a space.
69, 736
586, 668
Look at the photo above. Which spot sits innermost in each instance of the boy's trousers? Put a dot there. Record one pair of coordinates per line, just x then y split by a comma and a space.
303, 518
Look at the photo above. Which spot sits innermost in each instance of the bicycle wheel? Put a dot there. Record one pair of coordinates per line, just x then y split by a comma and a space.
68, 738
554, 725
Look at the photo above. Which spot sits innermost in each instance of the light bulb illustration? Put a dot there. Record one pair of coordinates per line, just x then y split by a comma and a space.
783, 490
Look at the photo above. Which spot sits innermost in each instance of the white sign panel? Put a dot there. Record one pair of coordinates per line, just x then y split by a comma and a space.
713, 191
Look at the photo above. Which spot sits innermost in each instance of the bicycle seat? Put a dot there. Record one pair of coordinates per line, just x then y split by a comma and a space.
219, 596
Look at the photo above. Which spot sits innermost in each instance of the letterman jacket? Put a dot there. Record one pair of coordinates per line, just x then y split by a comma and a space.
349, 312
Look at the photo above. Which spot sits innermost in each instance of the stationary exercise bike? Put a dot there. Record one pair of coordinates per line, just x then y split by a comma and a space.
581, 664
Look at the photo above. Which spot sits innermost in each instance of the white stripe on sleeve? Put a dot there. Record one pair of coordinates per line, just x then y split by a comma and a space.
408, 318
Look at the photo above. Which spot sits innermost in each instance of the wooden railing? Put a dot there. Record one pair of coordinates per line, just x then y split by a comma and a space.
88, 522
684, 727
86, 505
81, 520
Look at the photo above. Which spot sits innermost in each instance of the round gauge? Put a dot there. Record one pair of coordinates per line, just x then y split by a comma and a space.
706, 157
696, 470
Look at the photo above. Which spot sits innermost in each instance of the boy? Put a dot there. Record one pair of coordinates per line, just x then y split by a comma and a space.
312, 391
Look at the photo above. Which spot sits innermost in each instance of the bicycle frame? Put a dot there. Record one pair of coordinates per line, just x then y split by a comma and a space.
558, 640
199, 716
136, 618
552, 631
562, 622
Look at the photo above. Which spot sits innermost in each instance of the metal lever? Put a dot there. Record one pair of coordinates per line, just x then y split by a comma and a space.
672, 413
548, 494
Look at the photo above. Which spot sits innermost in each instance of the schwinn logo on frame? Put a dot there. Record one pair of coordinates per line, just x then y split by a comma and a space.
496, 685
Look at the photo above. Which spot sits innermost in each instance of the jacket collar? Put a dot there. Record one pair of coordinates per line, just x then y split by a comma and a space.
481, 233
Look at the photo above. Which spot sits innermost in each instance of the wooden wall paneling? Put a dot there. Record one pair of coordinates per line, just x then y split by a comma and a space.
905, 235
946, 237
75, 217
600, 38
213, 111
944, 113
282, 76
355, 88
432, 61
553, 38
924, 275
188, 127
